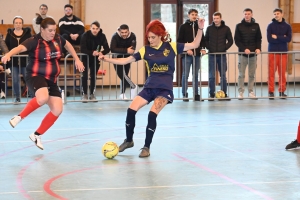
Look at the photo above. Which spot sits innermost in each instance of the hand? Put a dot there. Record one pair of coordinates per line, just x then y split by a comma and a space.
203, 52
101, 57
1, 68
95, 53
274, 36
201, 23
257, 51
190, 52
79, 65
5, 59
130, 50
247, 51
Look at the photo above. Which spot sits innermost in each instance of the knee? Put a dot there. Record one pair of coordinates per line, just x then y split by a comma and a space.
42, 100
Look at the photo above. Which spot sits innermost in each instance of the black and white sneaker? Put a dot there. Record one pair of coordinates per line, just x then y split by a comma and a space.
293, 145
37, 140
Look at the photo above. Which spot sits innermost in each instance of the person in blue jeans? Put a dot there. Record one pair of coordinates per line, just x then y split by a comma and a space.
187, 33
14, 37
218, 39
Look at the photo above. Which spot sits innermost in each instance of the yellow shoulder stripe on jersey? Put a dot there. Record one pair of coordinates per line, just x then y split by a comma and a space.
142, 52
174, 47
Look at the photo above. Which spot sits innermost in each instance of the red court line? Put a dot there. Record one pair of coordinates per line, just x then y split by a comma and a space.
223, 177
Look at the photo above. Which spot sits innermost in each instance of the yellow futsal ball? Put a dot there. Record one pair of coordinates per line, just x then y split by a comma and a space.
110, 150
220, 94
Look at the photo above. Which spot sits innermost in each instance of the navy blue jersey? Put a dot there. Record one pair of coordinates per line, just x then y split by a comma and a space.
160, 63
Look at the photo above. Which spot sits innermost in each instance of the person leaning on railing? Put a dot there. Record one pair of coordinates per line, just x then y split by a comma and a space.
44, 52
160, 57
91, 43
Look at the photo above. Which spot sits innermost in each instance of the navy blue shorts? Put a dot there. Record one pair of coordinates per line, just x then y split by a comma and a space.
149, 94
36, 82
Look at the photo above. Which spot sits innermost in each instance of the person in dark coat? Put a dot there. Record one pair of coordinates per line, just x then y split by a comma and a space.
124, 42
91, 44
187, 33
247, 38
14, 37
218, 38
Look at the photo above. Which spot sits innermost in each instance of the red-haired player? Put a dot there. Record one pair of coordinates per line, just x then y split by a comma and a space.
159, 56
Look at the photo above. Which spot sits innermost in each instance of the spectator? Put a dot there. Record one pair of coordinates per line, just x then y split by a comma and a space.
43, 12
4, 50
71, 27
124, 42
14, 37
218, 38
187, 33
247, 38
91, 43
279, 34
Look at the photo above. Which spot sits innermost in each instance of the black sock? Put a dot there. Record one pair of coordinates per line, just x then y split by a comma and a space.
130, 124
36, 133
150, 129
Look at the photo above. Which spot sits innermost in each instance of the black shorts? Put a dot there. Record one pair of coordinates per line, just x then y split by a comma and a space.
36, 82
150, 94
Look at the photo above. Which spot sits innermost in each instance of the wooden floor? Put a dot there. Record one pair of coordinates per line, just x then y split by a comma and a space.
219, 150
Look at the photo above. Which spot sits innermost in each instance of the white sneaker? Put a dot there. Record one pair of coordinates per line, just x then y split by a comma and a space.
84, 98
2, 95
7, 71
134, 92
37, 140
15, 120
241, 96
252, 95
123, 96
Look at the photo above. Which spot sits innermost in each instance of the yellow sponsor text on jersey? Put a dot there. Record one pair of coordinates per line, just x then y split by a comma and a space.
159, 68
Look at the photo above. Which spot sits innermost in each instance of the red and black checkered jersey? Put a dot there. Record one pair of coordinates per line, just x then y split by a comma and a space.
44, 56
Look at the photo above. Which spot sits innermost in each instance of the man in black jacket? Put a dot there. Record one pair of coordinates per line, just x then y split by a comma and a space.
71, 27
186, 34
247, 38
123, 42
218, 38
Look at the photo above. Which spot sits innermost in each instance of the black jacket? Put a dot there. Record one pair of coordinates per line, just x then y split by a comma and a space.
74, 26
248, 36
218, 39
186, 35
120, 45
12, 42
90, 43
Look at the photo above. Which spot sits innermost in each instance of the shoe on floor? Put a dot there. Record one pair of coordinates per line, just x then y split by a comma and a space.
271, 95
241, 96
226, 98
293, 145
15, 120
282, 95
145, 152
211, 96
123, 96
37, 140
134, 92
17, 100
84, 98
125, 145
93, 98
252, 95
185, 97
197, 98
2, 95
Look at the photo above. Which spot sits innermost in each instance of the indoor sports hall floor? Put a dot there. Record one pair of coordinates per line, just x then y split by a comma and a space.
219, 150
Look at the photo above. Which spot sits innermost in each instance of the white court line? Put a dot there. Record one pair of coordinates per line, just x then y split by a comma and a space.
158, 187
138, 138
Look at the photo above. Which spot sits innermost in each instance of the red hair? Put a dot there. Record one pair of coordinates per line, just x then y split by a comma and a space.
156, 27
